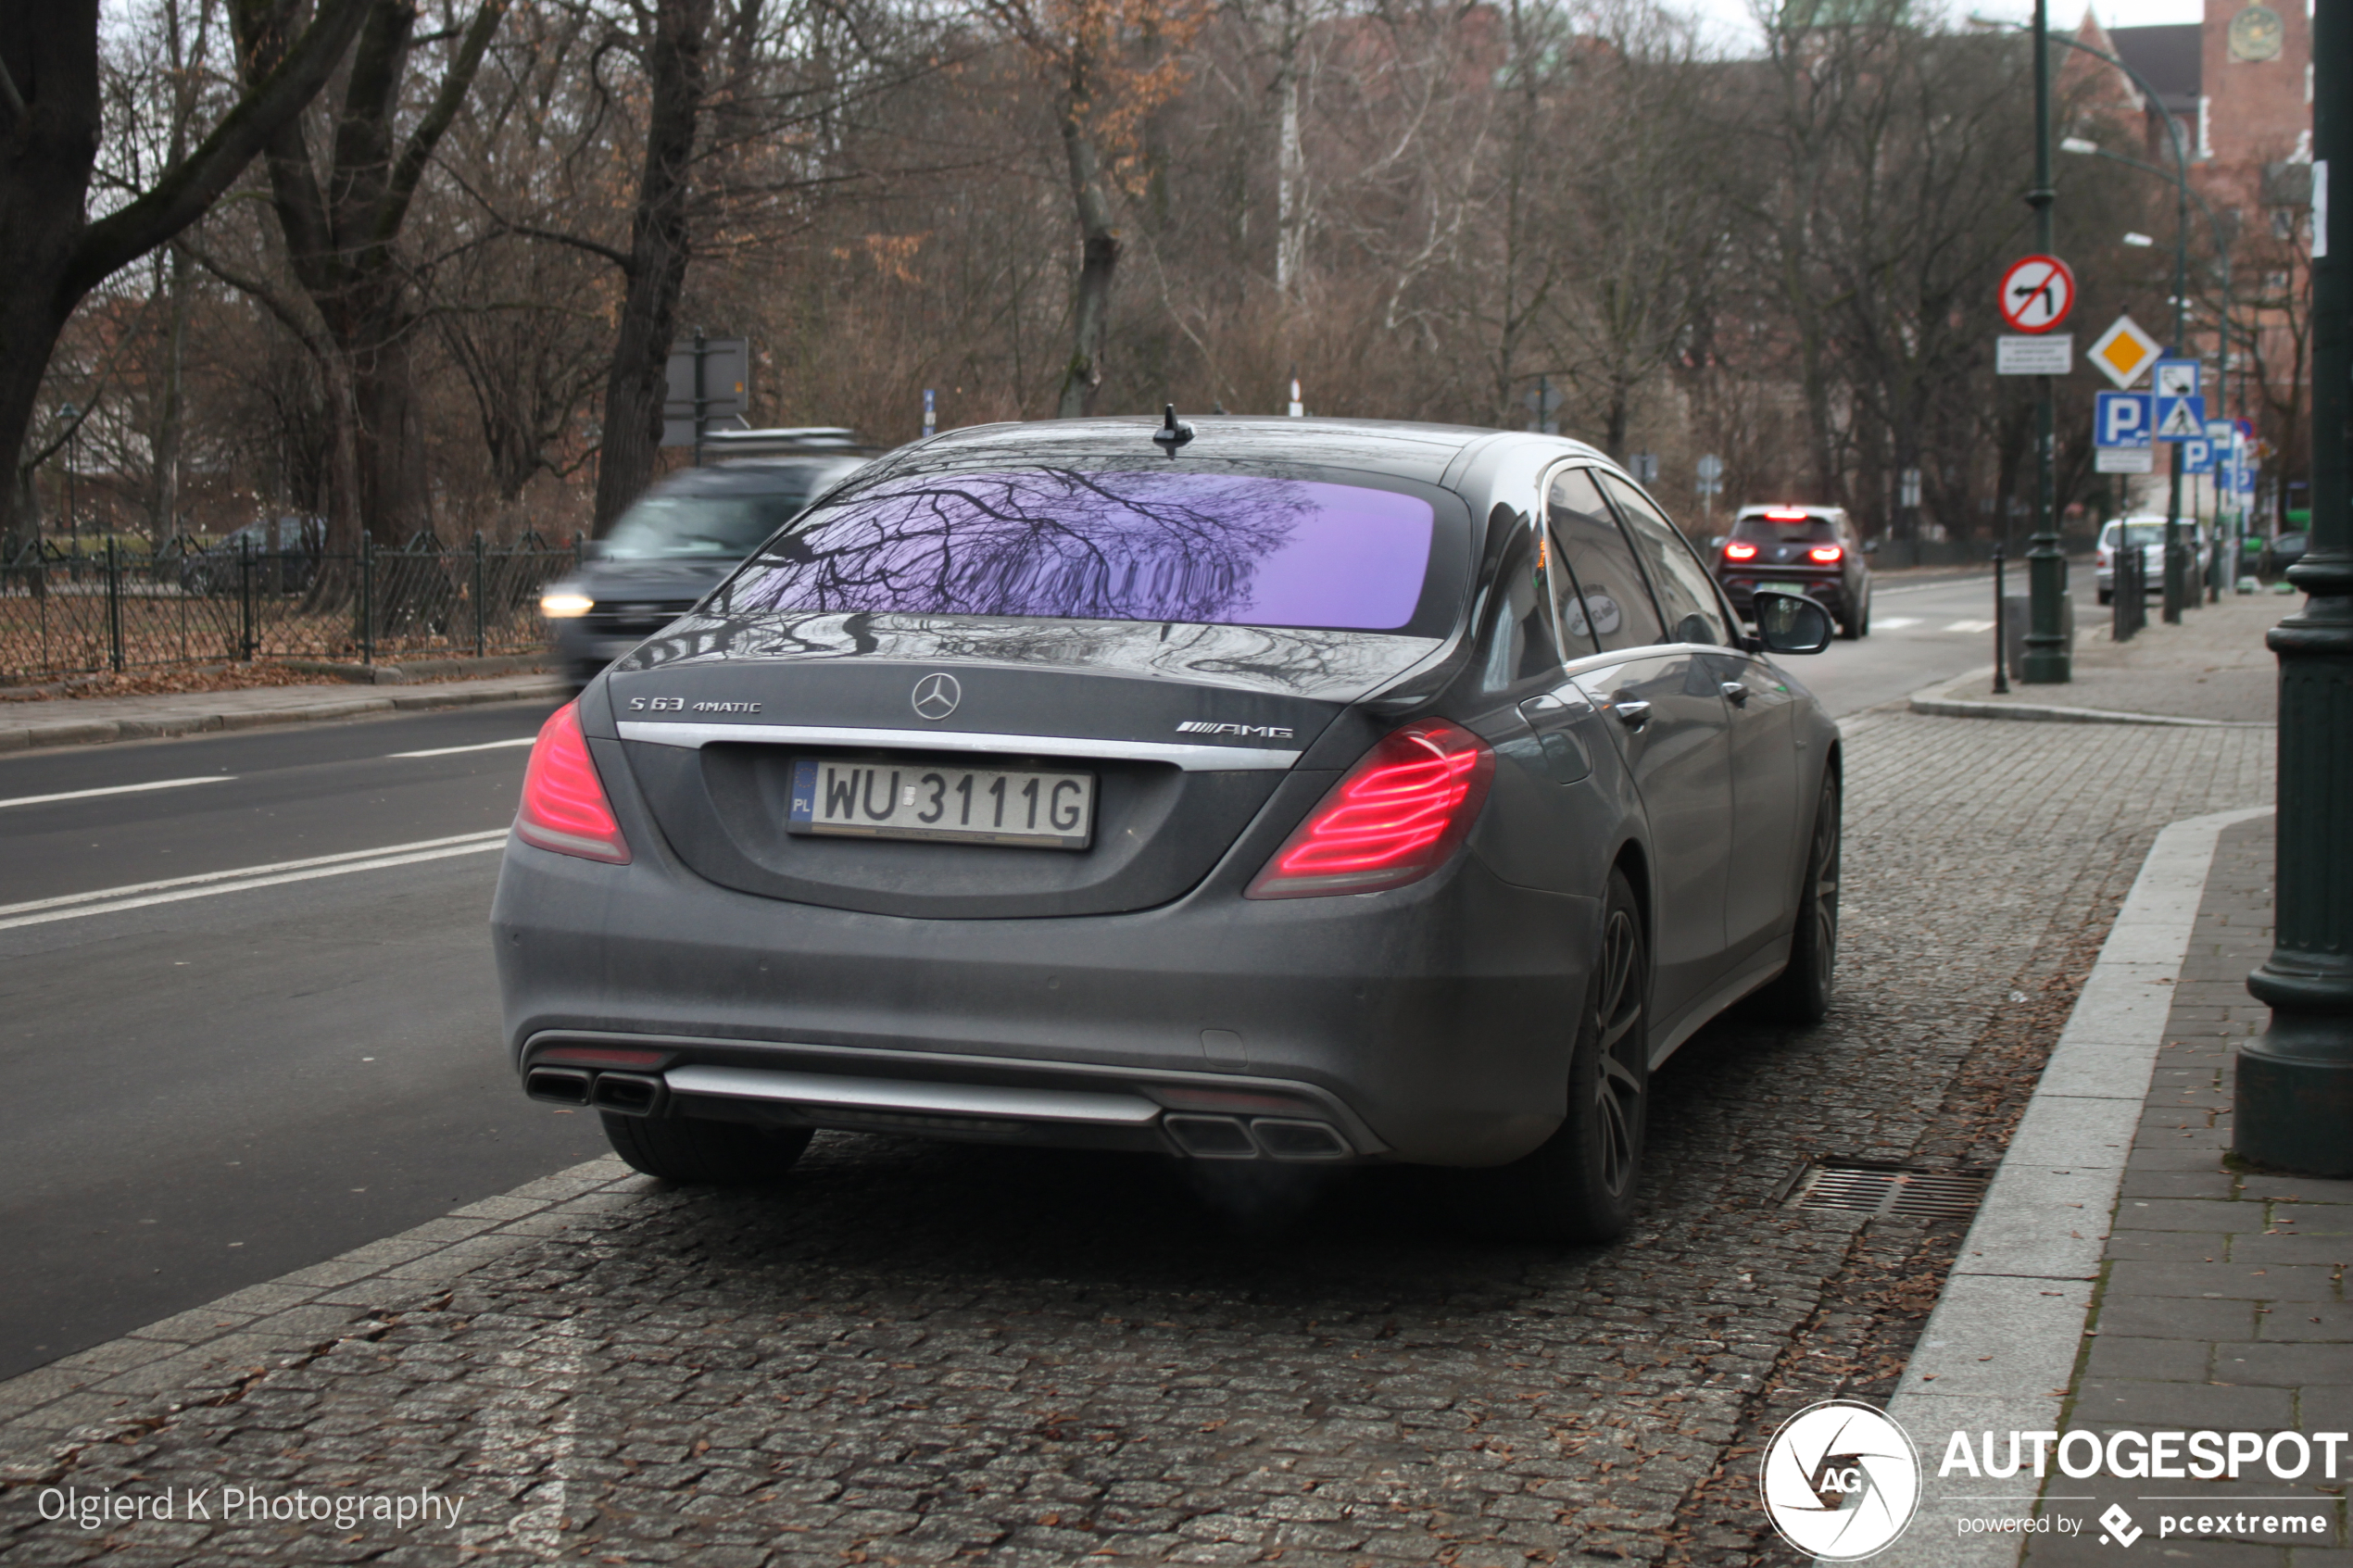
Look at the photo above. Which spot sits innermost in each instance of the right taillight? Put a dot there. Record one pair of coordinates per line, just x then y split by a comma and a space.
1395, 818
564, 807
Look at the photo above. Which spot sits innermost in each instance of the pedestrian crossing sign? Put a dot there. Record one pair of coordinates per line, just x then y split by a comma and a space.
2181, 418
2124, 351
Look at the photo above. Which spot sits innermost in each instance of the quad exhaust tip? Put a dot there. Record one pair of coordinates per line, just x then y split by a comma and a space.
557, 1085
1226, 1138
627, 1093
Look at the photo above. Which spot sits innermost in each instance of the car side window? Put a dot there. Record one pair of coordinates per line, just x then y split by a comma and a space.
1614, 603
1519, 627
1686, 593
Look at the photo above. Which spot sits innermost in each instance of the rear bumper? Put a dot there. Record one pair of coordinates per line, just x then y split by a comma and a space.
1740, 587
1430, 1024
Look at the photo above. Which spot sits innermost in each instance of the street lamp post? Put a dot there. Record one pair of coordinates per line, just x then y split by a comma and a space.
2293, 1107
2183, 194
2049, 659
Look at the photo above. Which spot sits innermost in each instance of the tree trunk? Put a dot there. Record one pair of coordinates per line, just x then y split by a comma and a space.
49, 129
1098, 252
1290, 164
660, 247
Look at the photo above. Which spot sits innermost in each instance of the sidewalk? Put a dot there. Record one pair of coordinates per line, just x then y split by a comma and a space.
2213, 668
90, 721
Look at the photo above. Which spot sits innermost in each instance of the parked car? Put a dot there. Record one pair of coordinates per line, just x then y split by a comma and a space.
284, 553
1308, 793
1811, 550
2280, 552
681, 538
2147, 531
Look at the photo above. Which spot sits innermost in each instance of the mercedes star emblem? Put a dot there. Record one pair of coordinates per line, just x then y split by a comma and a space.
937, 696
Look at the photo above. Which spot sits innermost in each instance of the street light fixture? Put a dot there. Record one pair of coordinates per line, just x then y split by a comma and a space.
2140, 241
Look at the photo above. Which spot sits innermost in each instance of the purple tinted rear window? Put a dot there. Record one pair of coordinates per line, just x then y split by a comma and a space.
1216, 548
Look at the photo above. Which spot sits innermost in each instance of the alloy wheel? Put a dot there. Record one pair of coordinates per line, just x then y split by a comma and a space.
1619, 1083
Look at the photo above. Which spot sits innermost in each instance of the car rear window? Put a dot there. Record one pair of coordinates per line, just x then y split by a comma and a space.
1186, 545
1786, 530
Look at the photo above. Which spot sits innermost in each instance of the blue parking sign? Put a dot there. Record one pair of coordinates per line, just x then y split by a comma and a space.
2197, 457
2122, 419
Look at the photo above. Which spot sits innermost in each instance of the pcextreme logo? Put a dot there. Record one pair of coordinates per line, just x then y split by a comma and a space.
1841, 1481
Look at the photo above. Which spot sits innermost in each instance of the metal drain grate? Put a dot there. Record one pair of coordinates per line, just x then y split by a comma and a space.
1852, 1187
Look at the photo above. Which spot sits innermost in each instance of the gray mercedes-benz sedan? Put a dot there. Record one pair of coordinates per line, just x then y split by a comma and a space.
1273, 790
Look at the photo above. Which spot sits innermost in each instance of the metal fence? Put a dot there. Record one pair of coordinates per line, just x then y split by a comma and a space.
67, 612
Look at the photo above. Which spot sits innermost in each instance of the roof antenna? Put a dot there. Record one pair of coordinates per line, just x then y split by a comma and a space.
1174, 433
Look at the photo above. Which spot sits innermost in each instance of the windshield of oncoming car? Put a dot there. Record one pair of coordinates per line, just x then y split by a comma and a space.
1786, 530
724, 527
1183, 546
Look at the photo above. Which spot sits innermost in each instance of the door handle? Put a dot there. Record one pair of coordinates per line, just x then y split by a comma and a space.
1633, 715
1734, 693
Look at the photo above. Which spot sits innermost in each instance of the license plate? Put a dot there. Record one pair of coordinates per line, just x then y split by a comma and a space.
864, 799
1781, 587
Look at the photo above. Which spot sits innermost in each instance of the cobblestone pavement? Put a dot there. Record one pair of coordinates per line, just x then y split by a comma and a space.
912, 1353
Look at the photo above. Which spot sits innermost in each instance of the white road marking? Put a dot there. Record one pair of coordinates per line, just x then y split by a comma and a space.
1895, 622
115, 789
139, 896
1970, 626
454, 751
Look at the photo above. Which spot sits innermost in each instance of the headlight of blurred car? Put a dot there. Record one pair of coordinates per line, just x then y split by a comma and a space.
562, 605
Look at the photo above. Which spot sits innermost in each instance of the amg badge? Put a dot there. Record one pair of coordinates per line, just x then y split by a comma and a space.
1203, 727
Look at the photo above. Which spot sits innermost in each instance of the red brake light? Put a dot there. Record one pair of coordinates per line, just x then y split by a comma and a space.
563, 800
1396, 817
1826, 554
1735, 550
1787, 515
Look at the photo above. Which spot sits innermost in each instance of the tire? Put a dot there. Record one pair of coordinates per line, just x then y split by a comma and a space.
1802, 995
1850, 623
1865, 629
695, 1152
1578, 1184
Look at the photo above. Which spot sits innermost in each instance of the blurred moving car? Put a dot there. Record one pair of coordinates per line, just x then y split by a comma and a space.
1811, 550
2280, 552
1276, 791
284, 550
2145, 530
684, 536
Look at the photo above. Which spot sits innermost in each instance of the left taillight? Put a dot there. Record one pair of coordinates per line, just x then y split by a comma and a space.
564, 807
1397, 816
1827, 554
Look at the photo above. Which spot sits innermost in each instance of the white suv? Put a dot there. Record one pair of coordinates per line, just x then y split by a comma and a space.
2147, 531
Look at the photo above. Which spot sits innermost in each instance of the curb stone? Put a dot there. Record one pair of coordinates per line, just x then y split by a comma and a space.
86, 732
1938, 702
2003, 1339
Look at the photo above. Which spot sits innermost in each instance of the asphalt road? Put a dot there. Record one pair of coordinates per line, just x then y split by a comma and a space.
215, 1090
216, 1082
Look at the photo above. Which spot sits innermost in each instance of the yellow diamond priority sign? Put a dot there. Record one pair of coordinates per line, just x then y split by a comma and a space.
2124, 351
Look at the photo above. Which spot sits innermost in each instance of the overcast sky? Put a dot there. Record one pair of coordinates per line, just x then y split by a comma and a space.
1732, 24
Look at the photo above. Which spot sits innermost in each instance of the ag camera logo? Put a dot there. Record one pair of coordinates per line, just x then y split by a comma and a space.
1841, 1481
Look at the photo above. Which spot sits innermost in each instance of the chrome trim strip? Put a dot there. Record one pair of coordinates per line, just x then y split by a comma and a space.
824, 1089
1191, 758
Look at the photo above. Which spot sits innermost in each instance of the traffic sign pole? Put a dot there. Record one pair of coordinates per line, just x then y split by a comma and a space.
2177, 376
2049, 659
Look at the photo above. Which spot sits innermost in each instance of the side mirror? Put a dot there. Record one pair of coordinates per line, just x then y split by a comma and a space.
1715, 541
1871, 546
1791, 624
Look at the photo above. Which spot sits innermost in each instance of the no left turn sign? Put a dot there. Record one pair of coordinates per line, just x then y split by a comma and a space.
2037, 293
